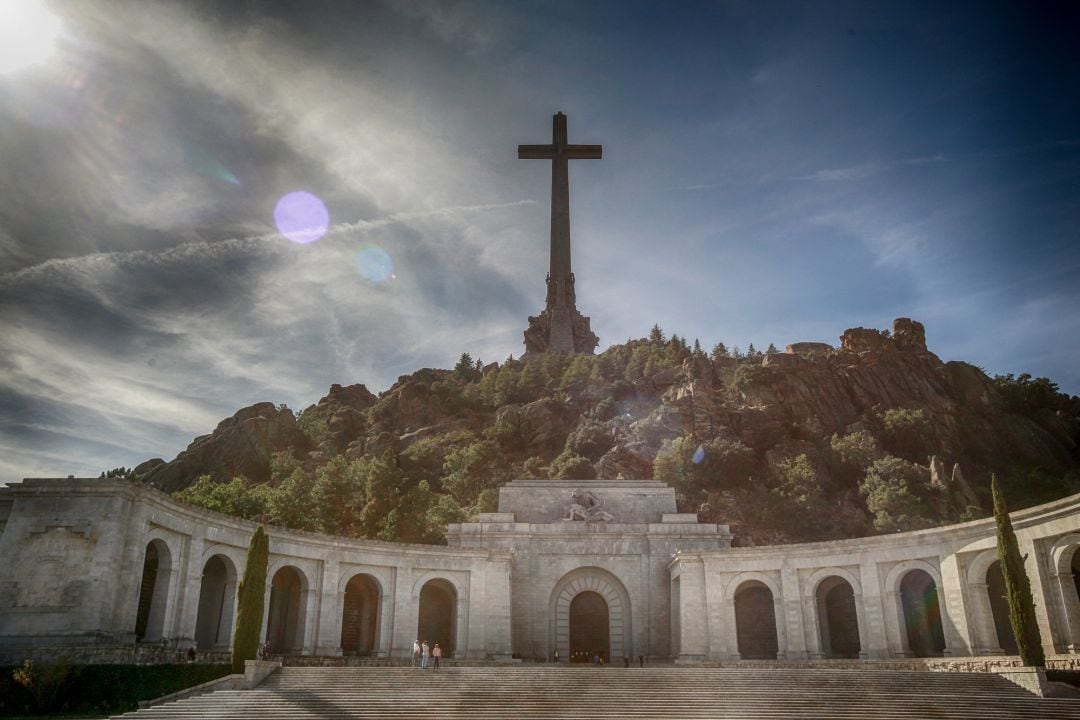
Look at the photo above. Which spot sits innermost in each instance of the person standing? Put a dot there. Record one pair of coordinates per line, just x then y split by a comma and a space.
436, 653
415, 653
555, 657
425, 653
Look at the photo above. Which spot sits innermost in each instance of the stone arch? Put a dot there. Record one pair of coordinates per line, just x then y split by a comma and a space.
1065, 592
997, 594
838, 618
611, 590
920, 602
154, 591
360, 610
286, 612
756, 631
437, 614
983, 617
217, 601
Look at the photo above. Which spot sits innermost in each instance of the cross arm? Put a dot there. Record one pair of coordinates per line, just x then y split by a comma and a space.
536, 152
584, 152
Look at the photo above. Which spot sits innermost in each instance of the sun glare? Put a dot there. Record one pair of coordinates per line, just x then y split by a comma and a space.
27, 34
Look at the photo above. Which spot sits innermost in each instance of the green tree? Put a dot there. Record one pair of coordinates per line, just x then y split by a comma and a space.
572, 467
1017, 585
337, 496
252, 592
899, 495
469, 470
719, 350
656, 335
236, 497
771, 350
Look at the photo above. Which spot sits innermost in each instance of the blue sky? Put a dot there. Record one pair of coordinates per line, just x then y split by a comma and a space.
772, 172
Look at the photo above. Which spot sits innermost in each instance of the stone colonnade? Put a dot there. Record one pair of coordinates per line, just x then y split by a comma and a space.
151, 570
926, 593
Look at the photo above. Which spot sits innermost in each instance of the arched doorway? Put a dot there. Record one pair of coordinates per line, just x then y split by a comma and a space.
922, 614
217, 595
838, 618
755, 621
616, 601
999, 607
153, 592
360, 616
1075, 566
438, 615
589, 628
285, 617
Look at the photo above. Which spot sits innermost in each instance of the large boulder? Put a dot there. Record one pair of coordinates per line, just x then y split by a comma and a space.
239, 445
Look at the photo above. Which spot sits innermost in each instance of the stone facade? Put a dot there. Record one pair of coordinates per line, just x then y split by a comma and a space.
97, 569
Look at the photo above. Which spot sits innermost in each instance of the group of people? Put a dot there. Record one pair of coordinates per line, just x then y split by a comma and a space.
421, 654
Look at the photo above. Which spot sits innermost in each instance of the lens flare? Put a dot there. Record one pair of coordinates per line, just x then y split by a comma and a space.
28, 33
374, 264
301, 217
699, 455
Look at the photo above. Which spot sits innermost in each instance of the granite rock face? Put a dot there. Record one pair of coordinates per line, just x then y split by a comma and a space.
239, 445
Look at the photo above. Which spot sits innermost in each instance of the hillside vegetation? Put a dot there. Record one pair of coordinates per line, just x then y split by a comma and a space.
878, 435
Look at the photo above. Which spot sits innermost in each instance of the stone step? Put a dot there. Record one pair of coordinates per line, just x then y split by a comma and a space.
572, 692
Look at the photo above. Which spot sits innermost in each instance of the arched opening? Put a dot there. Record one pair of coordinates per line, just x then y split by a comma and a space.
616, 602
438, 615
217, 594
999, 607
838, 618
360, 616
153, 593
589, 628
1075, 566
285, 618
922, 614
755, 621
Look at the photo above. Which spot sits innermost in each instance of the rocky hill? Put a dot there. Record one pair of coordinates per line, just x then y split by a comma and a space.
817, 442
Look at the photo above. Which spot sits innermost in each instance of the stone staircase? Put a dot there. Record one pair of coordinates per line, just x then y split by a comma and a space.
576, 692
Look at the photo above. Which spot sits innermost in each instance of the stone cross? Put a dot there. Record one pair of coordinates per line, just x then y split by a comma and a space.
561, 328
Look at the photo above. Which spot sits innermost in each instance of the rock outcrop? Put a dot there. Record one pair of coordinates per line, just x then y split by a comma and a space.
239, 445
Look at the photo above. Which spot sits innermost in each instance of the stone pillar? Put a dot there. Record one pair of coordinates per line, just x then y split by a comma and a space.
387, 617
190, 589
714, 608
958, 640
406, 619
796, 649
1067, 637
876, 643
693, 630
896, 626
1029, 550
313, 607
811, 613
984, 640
497, 572
330, 602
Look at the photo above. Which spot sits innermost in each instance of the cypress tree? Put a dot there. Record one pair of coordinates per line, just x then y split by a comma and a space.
249, 613
1017, 585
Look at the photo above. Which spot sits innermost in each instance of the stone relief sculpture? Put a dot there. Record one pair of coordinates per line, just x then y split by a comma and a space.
584, 505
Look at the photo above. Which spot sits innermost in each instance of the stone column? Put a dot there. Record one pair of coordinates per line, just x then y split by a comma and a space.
812, 609
313, 607
1038, 576
693, 627
1068, 635
714, 593
876, 644
330, 603
796, 649
983, 629
386, 617
896, 625
190, 582
406, 619
497, 608
958, 640
730, 623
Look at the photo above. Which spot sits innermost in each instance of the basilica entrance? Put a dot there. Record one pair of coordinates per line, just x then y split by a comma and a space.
590, 615
589, 632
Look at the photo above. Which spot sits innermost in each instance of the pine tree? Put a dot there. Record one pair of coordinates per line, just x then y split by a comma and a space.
719, 350
771, 350
252, 592
1017, 585
656, 335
